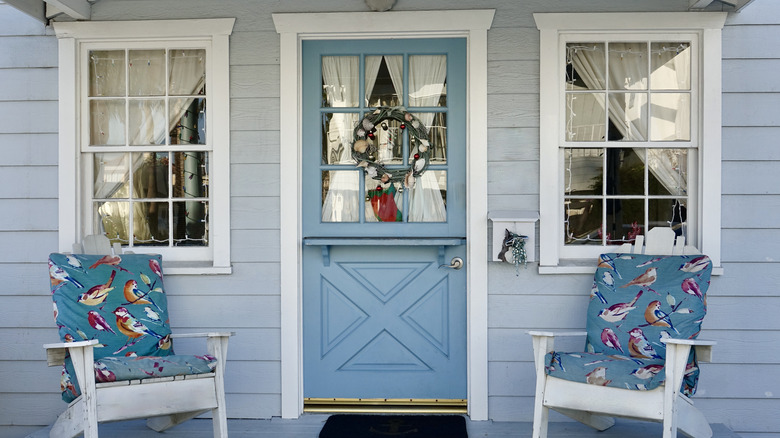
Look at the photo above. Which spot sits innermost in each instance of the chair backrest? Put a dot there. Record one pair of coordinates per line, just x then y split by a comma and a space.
638, 299
659, 240
97, 244
116, 299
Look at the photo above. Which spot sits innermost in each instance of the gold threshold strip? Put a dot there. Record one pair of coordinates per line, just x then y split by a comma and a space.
385, 405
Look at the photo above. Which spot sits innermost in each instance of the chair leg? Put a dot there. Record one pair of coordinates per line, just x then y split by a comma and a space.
541, 415
83, 365
165, 422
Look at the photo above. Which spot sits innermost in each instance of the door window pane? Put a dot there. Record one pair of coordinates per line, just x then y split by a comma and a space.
436, 127
384, 80
384, 202
428, 80
340, 192
340, 76
428, 197
337, 137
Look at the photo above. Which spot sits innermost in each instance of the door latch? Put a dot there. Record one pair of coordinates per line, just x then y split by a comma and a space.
455, 264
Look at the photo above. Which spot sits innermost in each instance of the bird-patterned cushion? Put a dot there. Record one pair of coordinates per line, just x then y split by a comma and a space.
636, 301
120, 301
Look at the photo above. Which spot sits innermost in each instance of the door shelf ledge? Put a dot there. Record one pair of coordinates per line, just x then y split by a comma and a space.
327, 242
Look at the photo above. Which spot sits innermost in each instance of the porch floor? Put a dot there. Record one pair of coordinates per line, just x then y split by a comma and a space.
309, 425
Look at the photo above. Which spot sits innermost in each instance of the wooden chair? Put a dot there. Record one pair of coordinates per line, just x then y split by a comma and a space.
111, 312
644, 315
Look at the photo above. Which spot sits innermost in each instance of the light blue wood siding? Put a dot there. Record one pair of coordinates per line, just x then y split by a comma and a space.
740, 389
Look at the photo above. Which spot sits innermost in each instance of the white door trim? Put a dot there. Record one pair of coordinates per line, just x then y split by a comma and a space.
293, 28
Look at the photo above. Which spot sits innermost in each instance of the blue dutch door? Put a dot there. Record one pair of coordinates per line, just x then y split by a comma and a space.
384, 177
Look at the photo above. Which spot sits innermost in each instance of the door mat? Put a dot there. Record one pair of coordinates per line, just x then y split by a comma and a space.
405, 426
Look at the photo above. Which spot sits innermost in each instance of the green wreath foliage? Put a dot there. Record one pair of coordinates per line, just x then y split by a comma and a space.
365, 152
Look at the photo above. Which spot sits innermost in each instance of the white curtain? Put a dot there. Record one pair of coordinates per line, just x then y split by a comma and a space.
342, 201
628, 71
427, 76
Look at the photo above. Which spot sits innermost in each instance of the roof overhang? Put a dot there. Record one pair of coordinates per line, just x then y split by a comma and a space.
43, 10
738, 5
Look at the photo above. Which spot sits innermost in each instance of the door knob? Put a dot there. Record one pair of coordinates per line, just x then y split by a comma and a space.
455, 264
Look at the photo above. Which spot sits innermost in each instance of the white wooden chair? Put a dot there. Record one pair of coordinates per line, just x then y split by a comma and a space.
166, 401
591, 403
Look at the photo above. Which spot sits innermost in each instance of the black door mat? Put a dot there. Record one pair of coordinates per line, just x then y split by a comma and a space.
404, 426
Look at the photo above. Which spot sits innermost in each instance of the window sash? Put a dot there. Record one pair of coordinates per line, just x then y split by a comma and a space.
555, 28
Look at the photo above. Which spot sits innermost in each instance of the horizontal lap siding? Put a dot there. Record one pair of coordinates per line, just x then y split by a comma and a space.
28, 217
745, 388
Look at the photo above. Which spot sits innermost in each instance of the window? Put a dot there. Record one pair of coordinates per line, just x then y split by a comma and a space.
624, 139
149, 137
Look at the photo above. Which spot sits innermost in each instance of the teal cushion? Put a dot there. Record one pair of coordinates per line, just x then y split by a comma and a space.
636, 301
120, 301
111, 369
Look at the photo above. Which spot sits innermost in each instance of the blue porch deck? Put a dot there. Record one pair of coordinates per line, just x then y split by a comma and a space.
308, 426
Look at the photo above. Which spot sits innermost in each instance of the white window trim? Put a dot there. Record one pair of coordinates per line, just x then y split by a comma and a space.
552, 26
293, 28
214, 32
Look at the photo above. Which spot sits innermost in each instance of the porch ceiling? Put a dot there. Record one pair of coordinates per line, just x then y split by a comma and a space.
45, 10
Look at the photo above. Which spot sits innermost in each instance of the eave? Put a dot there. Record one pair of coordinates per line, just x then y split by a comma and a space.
43, 10
737, 5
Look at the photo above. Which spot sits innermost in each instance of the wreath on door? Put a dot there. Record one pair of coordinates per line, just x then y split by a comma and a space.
365, 150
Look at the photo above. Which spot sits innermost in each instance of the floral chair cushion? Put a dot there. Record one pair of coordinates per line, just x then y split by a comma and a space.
120, 301
636, 301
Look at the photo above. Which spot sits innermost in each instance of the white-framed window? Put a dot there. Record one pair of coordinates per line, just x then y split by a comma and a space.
629, 132
145, 138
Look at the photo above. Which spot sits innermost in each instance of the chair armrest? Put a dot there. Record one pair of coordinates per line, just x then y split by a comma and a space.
216, 342
703, 347
547, 334
55, 353
203, 335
